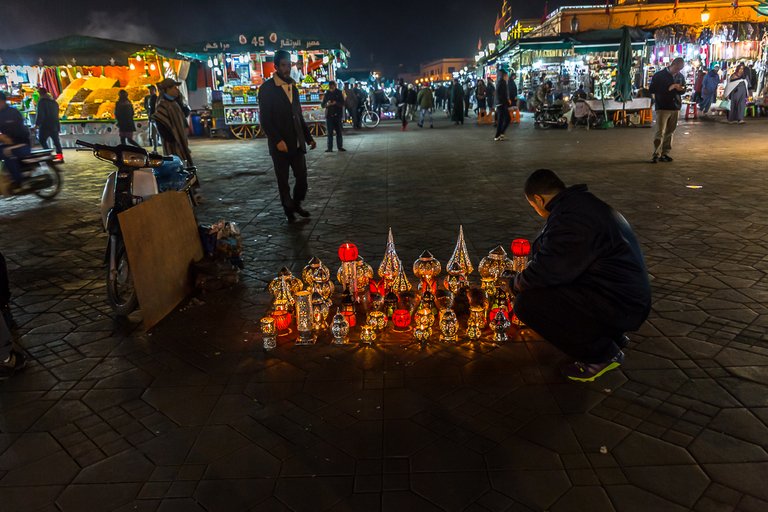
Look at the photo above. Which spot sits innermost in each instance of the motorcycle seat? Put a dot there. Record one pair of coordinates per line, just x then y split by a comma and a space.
37, 155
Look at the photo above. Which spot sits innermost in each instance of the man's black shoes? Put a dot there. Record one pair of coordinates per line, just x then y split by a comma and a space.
342, 149
16, 362
665, 158
301, 211
654, 159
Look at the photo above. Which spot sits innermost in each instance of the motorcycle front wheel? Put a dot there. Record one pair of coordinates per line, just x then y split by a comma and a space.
120, 291
371, 119
54, 188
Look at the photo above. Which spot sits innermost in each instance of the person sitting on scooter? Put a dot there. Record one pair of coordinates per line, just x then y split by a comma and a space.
541, 97
14, 141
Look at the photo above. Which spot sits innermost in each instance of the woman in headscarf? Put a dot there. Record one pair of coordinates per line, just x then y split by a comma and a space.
171, 119
737, 91
457, 103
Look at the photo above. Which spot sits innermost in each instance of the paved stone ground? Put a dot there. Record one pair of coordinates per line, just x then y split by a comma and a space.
194, 416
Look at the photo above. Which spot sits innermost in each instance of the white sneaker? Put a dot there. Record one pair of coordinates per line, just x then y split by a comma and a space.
497, 139
503, 137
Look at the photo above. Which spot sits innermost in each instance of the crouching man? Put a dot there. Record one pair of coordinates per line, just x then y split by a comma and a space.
586, 284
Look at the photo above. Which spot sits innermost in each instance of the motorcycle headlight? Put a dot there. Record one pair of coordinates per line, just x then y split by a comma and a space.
155, 161
134, 159
106, 154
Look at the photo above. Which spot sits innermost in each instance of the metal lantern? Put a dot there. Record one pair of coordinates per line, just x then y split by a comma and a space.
269, 332
367, 334
390, 264
474, 331
363, 274
377, 320
304, 319
521, 251
460, 256
283, 319
400, 283
401, 318
390, 303
282, 298
377, 301
348, 252
346, 274
499, 325
424, 317
348, 309
426, 268
476, 316
422, 333
449, 326
340, 329
428, 301
495, 311
456, 279
494, 264
285, 275
320, 312
315, 271
378, 286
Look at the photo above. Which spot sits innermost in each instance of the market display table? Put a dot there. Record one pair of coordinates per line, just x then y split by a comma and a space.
619, 109
99, 131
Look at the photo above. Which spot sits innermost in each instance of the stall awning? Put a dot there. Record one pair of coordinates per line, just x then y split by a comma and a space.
81, 51
545, 43
582, 49
595, 41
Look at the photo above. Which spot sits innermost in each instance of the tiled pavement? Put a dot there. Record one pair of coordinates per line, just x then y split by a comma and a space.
194, 416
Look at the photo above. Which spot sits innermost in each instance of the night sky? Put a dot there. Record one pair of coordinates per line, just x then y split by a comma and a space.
384, 35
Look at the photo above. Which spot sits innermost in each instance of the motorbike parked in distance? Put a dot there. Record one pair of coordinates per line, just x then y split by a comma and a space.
550, 116
139, 176
42, 176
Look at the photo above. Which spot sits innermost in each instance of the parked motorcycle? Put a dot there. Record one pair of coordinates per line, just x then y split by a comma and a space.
139, 176
42, 176
550, 116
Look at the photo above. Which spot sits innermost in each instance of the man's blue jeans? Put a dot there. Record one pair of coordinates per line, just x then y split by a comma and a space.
11, 156
425, 111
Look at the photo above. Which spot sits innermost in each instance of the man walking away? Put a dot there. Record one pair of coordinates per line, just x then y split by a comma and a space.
502, 106
150, 105
287, 134
350, 102
586, 284
667, 87
426, 103
512, 88
457, 103
171, 118
333, 102
47, 122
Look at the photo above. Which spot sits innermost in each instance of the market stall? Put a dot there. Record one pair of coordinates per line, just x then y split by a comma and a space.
239, 66
85, 74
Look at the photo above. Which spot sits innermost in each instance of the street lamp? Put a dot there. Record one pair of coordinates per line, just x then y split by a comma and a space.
491, 47
705, 14
504, 35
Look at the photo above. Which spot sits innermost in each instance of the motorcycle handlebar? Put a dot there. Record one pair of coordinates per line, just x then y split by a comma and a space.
85, 144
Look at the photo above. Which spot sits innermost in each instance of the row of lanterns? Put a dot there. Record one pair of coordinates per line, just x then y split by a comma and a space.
305, 302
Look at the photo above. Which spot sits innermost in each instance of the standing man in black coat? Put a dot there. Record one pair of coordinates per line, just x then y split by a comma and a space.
47, 122
586, 284
502, 106
287, 134
512, 88
333, 103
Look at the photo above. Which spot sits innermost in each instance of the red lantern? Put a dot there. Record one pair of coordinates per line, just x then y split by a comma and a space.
351, 318
283, 319
379, 287
521, 247
348, 252
494, 311
402, 319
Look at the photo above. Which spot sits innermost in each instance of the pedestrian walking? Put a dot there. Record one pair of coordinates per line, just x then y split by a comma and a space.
124, 117
480, 97
512, 88
490, 95
47, 122
287, 134
502, 106
698, 84
709, 89
171, 118
362, 99
412, 101
467, 98
333, 103
737, 90
350, 102
402, 104
150, 105
426, 102
586, 284
667, 87
457, 101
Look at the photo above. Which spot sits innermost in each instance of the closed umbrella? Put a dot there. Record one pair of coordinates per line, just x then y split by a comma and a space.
623, 89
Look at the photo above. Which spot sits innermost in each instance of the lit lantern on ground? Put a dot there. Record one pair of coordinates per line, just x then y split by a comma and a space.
378, 286
304, 318
269, 332
348, 255
377, 320
283, 319
460, 256
449, 326
493, 265
424, 317
401, 318
521, 251
427, 268
390, 264
367, 334
315, 270
477, 316
495, 311
340, 329
499, 325
390, 303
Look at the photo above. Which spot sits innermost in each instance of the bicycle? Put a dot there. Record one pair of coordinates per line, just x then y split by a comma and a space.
369, 117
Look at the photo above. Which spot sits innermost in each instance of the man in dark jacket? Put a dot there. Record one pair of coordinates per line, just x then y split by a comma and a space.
150, 104
667, 87
47, 122
502, 105
14, 141
512, 88
333, 103
586, 284
287, 134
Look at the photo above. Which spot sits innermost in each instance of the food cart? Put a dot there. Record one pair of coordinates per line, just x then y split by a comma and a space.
85, 74
239, 66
